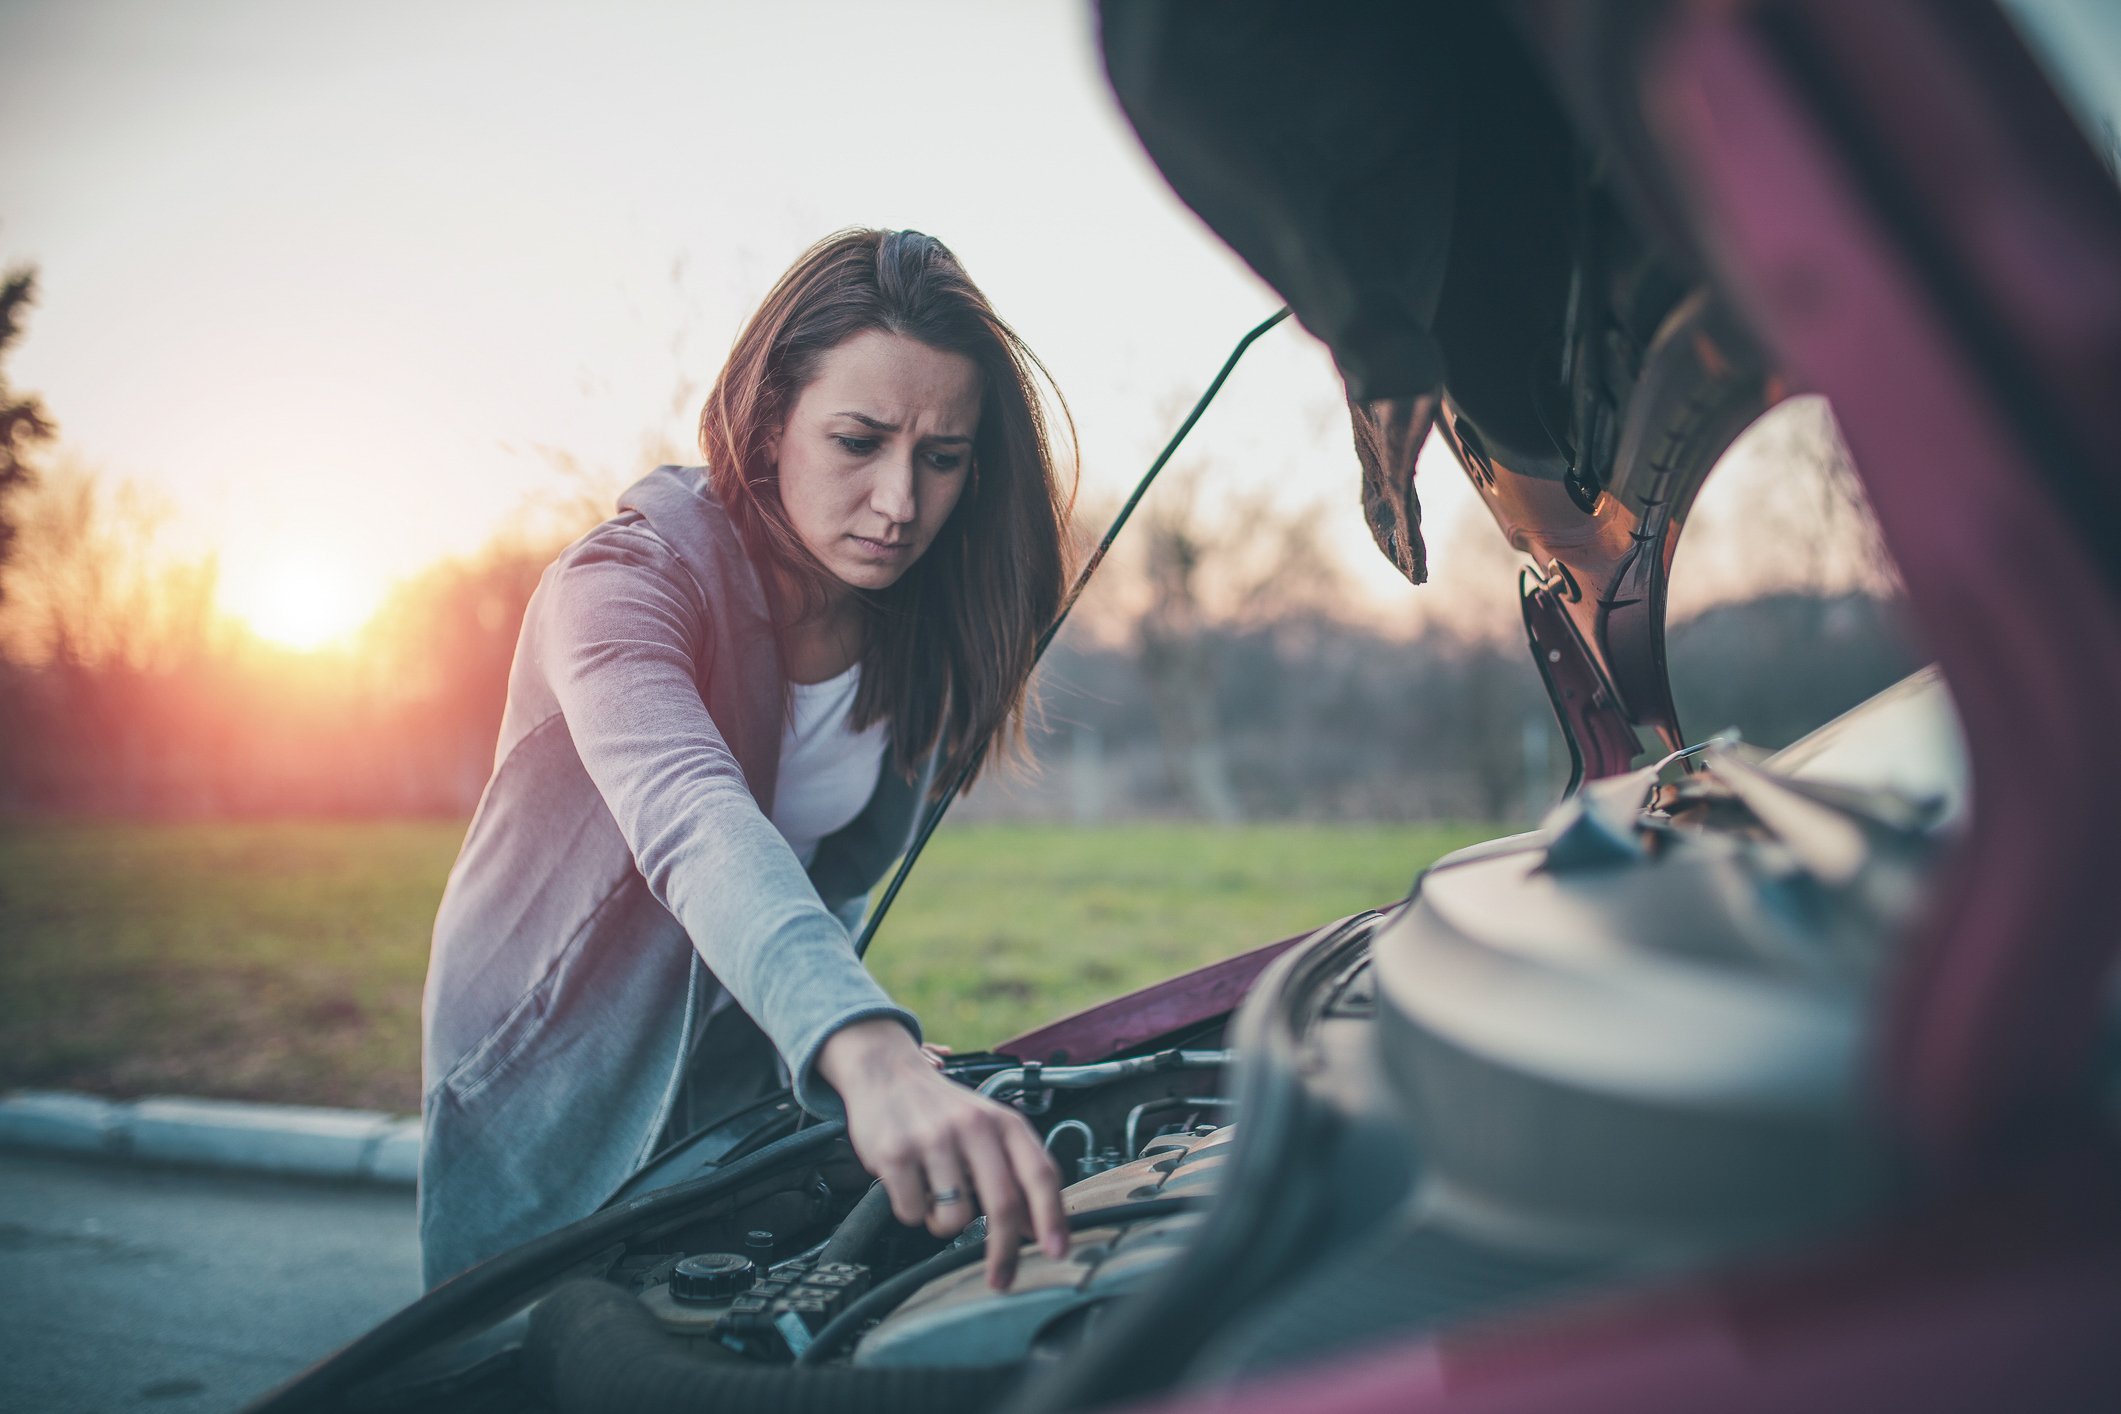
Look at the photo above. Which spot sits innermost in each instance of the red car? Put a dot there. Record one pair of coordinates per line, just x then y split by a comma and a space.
1745, 1083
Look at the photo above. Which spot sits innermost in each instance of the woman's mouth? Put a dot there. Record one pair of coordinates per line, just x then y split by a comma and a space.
881, 549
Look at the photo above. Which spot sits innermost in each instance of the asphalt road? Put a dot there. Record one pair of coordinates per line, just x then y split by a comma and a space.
183, 1293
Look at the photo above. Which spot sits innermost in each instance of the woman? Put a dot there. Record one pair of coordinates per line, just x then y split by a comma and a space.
725, 707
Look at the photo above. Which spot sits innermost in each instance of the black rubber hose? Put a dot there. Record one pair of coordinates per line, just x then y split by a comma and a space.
594, 1349
501, 1284
883, 1299
858, 1231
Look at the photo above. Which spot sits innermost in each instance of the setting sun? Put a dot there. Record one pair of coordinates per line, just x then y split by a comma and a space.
300, 604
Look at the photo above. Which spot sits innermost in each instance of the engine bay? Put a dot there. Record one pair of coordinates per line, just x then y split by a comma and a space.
1624, 1045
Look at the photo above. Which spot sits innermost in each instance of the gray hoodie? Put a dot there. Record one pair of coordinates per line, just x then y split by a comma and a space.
621, 875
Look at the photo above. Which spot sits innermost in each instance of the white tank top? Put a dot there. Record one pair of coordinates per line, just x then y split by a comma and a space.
827, 772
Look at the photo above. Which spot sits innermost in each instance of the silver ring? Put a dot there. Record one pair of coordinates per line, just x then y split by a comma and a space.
945, 1198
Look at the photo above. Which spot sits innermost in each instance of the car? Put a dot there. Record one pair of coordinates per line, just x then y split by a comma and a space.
1745, 1081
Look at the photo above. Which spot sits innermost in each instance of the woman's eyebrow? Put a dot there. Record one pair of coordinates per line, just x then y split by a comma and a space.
875, 424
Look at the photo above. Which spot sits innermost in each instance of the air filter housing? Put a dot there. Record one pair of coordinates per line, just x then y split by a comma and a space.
1643, 1030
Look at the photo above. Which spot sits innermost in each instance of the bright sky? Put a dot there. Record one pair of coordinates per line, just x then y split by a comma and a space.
330, 276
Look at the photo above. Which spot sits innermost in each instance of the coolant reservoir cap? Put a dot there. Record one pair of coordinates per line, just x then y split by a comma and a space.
712, 1276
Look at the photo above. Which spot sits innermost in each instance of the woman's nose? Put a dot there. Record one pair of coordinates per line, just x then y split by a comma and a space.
892, 494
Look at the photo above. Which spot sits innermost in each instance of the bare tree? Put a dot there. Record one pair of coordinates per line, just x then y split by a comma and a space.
1249, 565
106, 639
1177, 653
1784, 512
90, 586
23, 422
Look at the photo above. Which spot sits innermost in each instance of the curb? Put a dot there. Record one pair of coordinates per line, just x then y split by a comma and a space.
301, 1141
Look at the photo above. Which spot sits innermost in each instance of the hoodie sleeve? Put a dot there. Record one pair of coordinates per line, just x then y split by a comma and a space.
616, 642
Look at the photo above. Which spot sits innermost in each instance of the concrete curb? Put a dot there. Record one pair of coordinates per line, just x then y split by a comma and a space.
360, 1146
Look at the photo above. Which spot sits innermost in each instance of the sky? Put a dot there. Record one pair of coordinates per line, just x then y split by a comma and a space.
348, 284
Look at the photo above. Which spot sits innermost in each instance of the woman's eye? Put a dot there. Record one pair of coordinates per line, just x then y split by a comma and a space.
860, 446
946, 461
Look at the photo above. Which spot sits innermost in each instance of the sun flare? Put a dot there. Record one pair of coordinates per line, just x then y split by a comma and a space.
299, 604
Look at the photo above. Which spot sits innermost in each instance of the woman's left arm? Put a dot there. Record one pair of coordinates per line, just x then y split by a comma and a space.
614, 636
614, 639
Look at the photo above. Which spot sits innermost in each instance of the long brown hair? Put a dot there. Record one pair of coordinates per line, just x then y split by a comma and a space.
947, 652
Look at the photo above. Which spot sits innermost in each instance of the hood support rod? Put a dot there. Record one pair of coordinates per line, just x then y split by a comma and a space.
934, 815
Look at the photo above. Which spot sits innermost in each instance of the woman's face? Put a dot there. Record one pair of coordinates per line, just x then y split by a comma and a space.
875, 453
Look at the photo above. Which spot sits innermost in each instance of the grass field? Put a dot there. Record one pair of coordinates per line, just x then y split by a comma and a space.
284, 961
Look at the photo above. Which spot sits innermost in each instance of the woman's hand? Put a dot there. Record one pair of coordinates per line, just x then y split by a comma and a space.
930, 1140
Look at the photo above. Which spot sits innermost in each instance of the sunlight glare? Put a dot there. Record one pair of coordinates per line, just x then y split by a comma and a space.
299, 604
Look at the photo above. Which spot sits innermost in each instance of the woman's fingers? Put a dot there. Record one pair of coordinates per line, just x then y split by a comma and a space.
904, 1180
1039, 1181
942, 1152
1008, 1215
1017, 1185
950, 1196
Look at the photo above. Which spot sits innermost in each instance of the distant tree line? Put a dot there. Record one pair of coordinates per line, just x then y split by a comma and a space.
1212, 679
1319, 719
121, 694
1312, 719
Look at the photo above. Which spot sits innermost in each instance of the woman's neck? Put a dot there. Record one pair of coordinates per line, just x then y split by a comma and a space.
824, 645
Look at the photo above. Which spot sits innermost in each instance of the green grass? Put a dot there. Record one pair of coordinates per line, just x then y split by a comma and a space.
277, 961
284, 961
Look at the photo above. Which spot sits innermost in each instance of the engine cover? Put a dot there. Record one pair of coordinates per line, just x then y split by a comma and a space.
957, 1320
